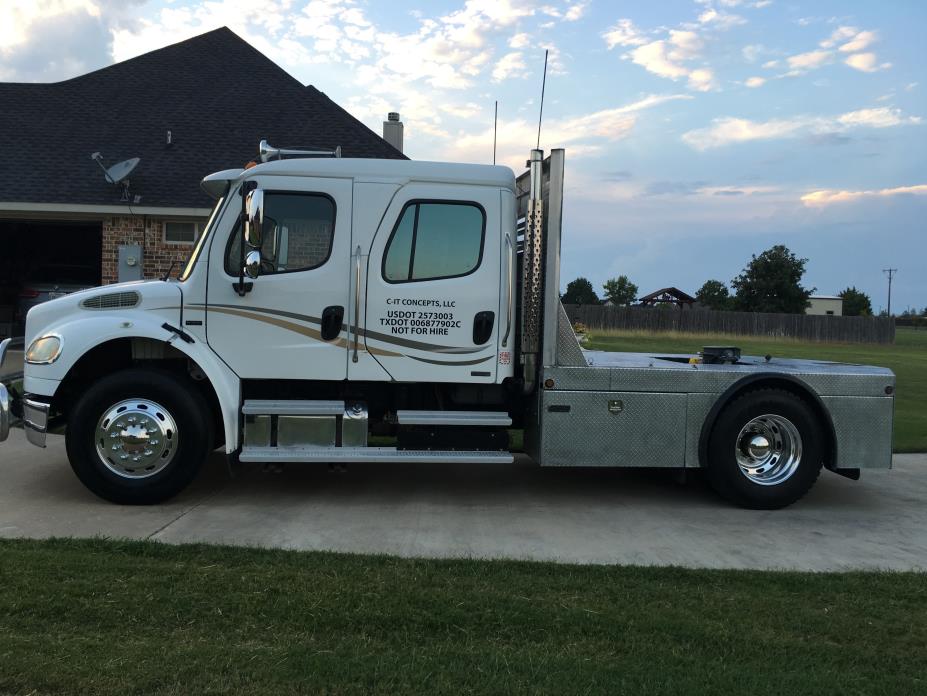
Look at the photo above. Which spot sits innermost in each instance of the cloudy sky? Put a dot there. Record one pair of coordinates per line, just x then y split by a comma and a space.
697, 131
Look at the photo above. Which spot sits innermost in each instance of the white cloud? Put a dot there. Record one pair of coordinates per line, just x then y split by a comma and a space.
860, 42
829, 196
519, 40
752, 52
575, 11
769, 64
845, 39
809, 61
668, 58
624, 33
654, 57
755, 81
728, 130
585, 134
721, 20
866, 62
839, 35
880, 117
910, 86
48, 40
702, 80
510, 65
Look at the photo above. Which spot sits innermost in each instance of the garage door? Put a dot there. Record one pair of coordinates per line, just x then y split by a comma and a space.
42, 259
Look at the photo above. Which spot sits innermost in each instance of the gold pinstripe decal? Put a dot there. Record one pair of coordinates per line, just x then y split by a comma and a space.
340, 342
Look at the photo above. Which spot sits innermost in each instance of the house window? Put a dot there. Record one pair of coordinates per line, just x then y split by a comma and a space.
434, 240
181, 232
299, 230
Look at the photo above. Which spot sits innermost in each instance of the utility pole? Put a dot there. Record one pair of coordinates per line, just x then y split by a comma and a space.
890, 272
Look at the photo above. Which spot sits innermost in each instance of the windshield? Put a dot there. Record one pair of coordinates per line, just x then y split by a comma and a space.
195, 254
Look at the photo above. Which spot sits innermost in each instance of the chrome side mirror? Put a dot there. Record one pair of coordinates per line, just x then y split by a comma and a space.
253, 264
254, 219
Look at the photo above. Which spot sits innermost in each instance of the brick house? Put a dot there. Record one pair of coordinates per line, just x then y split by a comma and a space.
186, 110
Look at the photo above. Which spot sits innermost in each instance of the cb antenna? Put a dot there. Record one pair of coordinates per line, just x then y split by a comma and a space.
495, 131
543, 85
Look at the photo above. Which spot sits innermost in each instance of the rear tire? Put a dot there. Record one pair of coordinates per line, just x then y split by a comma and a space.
766, 449
139, 436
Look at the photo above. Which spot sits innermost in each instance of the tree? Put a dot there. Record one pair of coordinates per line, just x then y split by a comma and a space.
580, 292
714, 295
856, 303
620, 290
771, 282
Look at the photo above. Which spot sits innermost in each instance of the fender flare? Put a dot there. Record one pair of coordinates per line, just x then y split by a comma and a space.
774, 380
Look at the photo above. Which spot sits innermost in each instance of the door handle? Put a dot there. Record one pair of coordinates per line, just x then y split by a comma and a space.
482, 327
509, 272
332, 317
357, 289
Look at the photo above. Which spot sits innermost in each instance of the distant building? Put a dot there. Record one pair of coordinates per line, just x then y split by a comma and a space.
825, 304
668, 296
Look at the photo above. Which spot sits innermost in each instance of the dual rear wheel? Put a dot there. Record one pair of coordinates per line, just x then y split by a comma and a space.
766, 449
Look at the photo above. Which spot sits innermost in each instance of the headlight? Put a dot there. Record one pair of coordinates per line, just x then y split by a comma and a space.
44, 350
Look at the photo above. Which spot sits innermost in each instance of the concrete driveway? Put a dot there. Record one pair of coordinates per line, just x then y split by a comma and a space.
489, 511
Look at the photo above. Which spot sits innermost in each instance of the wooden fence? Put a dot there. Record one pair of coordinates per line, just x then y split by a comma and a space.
802, 326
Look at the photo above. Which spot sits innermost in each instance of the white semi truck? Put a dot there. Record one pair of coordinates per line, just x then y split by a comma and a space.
331, 304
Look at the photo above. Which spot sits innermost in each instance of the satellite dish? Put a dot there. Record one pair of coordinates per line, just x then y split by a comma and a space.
121, 170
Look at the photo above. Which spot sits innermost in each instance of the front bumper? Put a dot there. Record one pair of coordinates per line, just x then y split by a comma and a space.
5, 415
35, 421
35, 417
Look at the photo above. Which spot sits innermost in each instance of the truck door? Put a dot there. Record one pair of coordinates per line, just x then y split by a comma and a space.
290, 324
432, 290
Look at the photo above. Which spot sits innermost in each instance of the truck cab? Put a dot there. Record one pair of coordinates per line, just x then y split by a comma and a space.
355, 310
362, 270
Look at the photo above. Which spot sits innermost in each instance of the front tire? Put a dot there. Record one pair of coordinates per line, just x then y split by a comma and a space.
765, 450
139, 436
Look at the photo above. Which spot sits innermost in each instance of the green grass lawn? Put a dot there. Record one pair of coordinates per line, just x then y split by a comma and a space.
103, 617
907, 358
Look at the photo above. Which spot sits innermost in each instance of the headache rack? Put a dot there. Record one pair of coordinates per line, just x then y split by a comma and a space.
539, 200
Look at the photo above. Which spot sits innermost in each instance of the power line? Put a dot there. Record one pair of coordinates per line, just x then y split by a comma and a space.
891, 274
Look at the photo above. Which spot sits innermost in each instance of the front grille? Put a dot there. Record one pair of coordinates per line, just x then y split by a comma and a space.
112, 300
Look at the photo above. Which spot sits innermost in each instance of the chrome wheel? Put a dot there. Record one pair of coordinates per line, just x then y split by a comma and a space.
136, 438
768, 449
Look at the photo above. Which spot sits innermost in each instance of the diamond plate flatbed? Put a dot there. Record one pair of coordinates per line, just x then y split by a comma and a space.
654, 409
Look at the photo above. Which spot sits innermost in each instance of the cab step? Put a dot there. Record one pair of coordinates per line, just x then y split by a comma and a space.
497, 419
272, 407
375, 455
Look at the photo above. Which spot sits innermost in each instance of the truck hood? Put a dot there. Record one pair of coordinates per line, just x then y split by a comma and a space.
162, 297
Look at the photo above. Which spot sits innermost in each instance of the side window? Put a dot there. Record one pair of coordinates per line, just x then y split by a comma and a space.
435, 240
298, 233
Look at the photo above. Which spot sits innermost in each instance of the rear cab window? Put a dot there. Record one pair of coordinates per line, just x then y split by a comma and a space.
433, 240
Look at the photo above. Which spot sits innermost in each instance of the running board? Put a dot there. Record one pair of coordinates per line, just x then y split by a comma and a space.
498, 419
376, 455
273, 407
